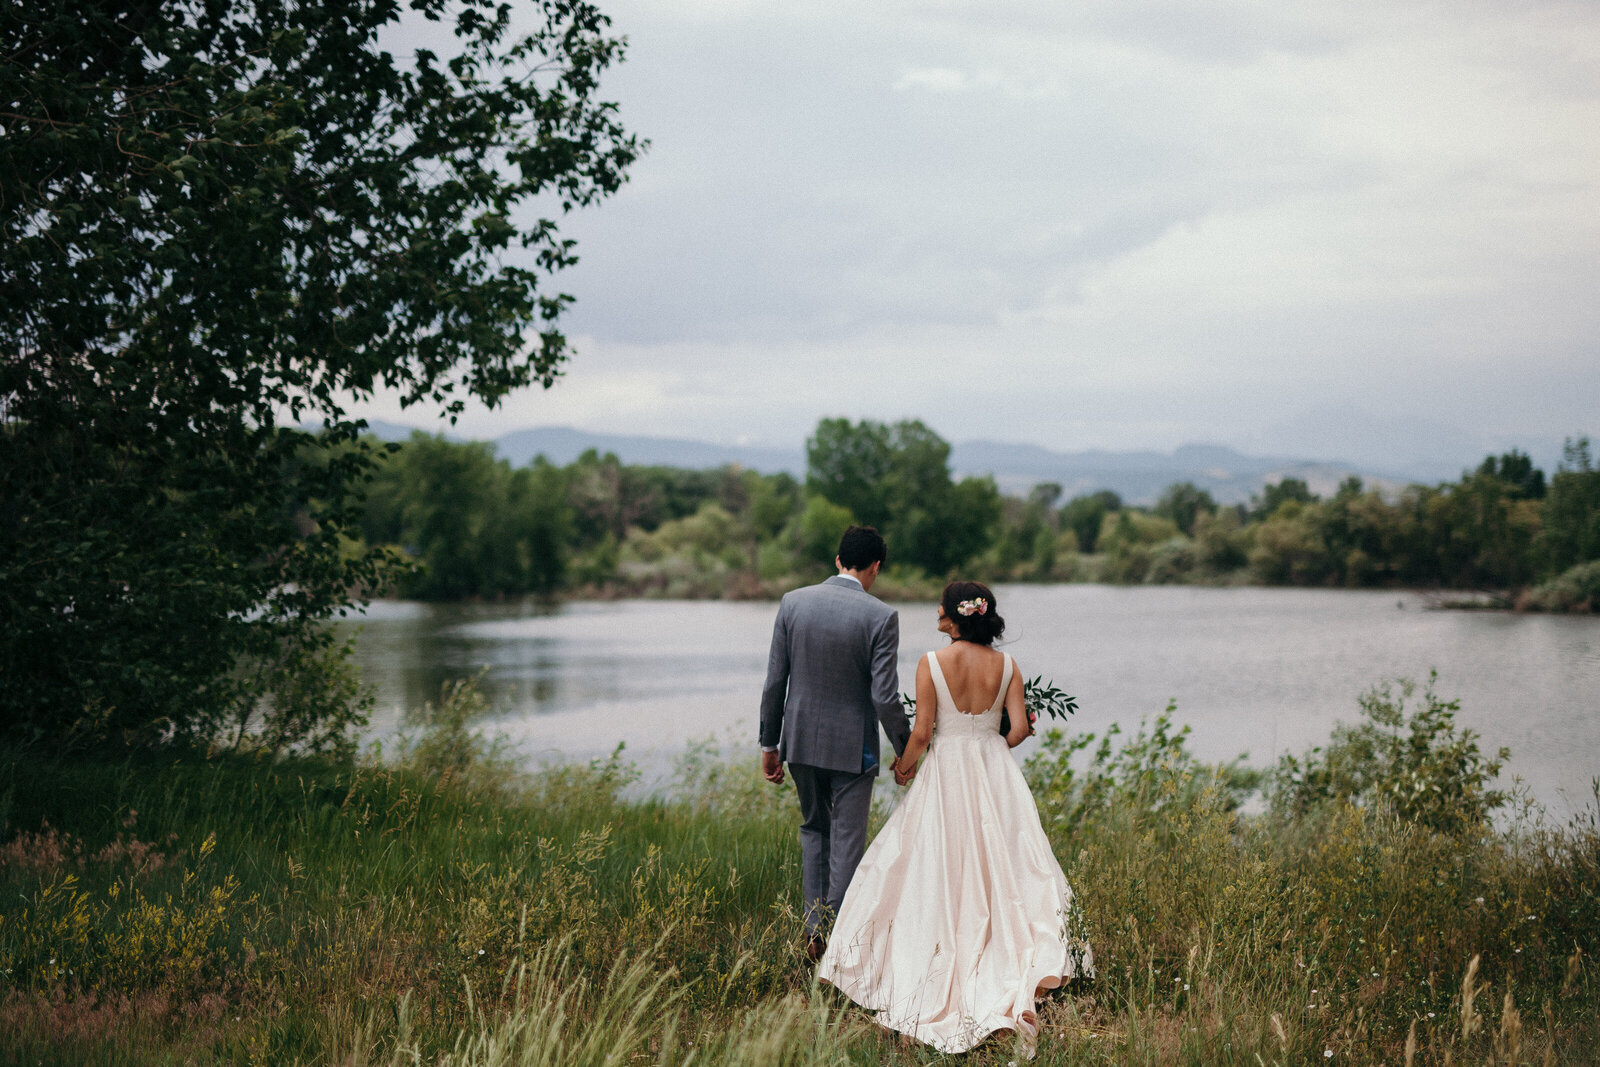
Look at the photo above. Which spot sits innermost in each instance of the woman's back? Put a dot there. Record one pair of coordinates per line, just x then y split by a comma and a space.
972, 673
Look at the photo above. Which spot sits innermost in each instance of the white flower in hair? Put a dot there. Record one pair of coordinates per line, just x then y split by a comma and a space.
976, 606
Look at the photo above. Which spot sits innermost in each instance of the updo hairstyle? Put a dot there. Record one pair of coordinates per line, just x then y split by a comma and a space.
981, 628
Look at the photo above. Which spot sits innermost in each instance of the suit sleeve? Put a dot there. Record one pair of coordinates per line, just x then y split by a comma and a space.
886, 683
776, 689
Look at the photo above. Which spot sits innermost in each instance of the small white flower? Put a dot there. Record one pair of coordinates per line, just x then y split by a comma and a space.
1327, 1053
480, 952
1430, 1015
1519, 950
1480, 900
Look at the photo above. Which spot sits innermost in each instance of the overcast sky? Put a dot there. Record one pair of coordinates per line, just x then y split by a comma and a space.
1353, 229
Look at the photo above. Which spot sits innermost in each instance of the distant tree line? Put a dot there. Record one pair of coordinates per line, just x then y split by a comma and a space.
475, 526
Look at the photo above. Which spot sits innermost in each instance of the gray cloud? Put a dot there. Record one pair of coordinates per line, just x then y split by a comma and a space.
1106, 224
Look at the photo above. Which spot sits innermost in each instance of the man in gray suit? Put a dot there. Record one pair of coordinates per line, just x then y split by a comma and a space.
832, 677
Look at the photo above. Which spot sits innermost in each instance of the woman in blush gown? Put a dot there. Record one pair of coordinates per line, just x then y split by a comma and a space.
959, 915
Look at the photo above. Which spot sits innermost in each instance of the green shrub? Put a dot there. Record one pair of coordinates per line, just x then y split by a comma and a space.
1575, 589
1421, 765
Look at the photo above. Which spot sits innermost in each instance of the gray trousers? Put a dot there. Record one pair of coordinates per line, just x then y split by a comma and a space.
833, 835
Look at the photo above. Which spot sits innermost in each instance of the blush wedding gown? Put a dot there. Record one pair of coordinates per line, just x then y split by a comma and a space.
959, 912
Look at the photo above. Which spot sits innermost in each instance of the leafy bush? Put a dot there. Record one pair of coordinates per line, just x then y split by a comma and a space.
1422, 766
1152, 771
1575, 589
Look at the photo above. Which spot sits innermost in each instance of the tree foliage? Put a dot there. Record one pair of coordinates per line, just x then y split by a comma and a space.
1084, 515
474, 526
897, 478
1418, 763
1571, 533
1183, 503
218, 220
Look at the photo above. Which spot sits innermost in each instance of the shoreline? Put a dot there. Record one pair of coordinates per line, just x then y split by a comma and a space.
1513, 602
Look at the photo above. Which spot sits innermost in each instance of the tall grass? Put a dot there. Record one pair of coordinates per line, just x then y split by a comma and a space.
441, 906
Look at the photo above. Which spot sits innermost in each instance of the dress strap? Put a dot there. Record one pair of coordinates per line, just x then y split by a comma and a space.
1005, 683
940, 686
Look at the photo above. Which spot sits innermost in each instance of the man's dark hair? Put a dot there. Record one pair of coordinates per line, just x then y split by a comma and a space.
860, 548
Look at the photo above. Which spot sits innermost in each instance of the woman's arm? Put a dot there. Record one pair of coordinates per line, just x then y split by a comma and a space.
1021, 728
922, 727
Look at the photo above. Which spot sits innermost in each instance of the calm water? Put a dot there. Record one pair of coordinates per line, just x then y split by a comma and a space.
1261, 671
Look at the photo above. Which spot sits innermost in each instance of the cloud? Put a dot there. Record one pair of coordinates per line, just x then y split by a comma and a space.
933, 79
1106, 223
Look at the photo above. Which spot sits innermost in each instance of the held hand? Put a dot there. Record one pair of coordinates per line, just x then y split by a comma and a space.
772, 767
901, 775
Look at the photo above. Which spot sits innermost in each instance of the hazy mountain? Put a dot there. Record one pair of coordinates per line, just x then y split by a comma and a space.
1138, 477
561, 445
394, 431
1415, 447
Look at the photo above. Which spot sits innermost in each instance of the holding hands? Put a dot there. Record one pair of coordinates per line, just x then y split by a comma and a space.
902, 775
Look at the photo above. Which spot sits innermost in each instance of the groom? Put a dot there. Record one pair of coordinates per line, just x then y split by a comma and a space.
832, 677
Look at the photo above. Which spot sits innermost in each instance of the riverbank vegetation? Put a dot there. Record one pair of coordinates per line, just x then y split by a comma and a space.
433, 904
477, 527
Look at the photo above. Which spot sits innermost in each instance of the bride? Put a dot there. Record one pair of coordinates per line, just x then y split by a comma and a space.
959, 914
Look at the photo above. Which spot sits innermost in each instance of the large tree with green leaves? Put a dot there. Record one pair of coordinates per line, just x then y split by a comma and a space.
897, 478
1572, 509
220, 220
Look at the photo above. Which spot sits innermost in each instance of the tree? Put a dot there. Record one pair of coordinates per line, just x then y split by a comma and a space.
1571, 510
897, 478
1516, 470
1183, 502
1484, 528
847, 464
220, 220
1084, 515
1284, 491
475, 527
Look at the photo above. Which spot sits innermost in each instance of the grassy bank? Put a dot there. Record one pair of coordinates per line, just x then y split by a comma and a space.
439, 906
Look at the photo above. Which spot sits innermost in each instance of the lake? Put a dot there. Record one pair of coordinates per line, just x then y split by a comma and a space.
1257, 671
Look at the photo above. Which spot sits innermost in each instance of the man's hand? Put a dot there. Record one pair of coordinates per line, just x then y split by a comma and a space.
772, 767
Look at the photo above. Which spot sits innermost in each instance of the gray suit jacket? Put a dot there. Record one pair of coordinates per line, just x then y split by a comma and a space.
832, 677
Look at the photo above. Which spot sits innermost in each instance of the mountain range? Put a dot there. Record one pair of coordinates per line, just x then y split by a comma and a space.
1137, 476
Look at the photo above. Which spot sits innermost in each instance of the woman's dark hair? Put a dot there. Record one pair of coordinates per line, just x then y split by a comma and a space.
860, 548
983, 624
